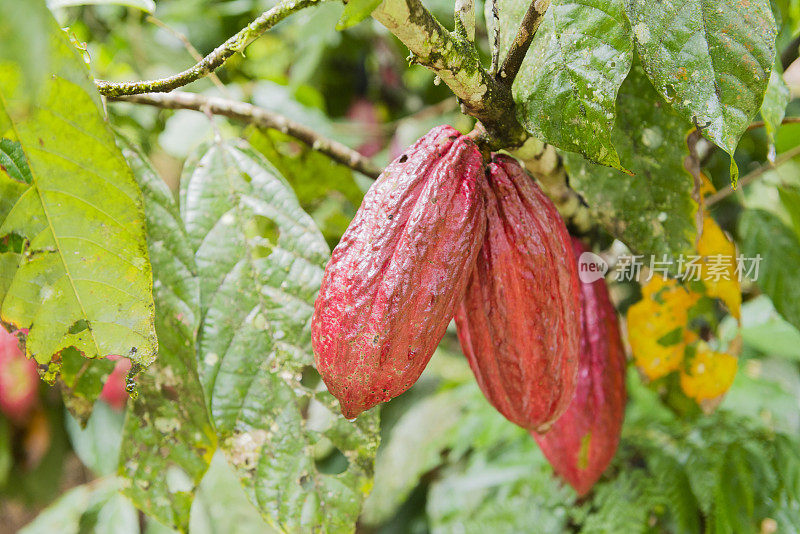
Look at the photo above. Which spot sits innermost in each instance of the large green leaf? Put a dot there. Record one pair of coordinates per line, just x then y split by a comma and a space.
762, 233
710, 59
168, 438
567, 86
326, 190
81, 277
260, 260
651, 211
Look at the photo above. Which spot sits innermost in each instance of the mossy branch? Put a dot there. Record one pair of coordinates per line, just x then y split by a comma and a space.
212, 61
454, 59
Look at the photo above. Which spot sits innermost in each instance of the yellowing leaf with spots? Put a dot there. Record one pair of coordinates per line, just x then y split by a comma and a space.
75, 271
718, 266
708, 374
657, 326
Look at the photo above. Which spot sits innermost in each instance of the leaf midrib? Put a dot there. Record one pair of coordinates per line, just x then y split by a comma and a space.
35, 185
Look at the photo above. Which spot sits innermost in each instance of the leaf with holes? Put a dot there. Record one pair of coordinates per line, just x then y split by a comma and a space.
326, 190
710, 59
77, 273
652, 211
567, 86
260, 260
168, 438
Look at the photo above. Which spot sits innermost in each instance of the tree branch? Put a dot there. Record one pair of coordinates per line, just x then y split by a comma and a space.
215, 59
260, 117
527, 29
456, 62
753, 176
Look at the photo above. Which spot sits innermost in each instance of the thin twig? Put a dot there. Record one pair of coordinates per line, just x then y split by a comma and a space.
786, 120
214, 60
187, 44
522, 41
753, 176
260, 117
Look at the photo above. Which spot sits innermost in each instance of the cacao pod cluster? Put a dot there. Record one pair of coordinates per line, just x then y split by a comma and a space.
440, 235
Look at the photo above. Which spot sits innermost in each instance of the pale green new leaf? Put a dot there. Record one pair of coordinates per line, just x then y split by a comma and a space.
145, 5
79, 507
651, 211
168, 438
260, 260
710, 59
773, 108
567, 86
81, 277
763, 234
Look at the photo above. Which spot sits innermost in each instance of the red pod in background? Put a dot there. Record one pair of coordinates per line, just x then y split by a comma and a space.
393, 282
114, 392
519, 322
583, 441
19, 380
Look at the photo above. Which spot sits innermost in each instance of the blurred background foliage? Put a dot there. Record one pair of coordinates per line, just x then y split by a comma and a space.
448, 462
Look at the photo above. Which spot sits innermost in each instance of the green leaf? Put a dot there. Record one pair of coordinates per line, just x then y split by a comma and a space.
25, 32
567, 86
763, 329
168, 437
710, 59
733, 496
773, 108
426, 428
790, 199
260, 260
762, 233
145, 5
83, 279
98, 443
222, 504
355, 11
652, 211
77, 506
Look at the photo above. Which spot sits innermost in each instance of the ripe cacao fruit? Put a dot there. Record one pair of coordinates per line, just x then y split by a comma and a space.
393, 282
519, 322
581, 444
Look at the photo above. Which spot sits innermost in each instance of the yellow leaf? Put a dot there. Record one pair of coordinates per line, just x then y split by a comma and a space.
718, 266
708, 375
657, 326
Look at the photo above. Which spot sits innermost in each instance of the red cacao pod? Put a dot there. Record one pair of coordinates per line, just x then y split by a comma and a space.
19, 379
519, 322
581, 444
394, 280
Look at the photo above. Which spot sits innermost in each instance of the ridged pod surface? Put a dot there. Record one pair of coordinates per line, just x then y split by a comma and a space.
519, 322
581, 444
393, 282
